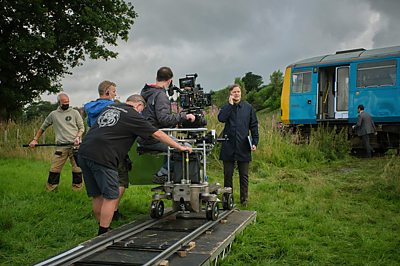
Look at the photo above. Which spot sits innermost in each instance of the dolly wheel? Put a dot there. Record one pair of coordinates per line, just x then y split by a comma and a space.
212, 210
227, 201
157, 209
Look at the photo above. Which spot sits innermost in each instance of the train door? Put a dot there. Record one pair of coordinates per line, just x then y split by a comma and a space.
326, 93
341, 103
303, 97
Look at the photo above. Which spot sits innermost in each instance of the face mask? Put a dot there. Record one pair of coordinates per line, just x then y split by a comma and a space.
64, 106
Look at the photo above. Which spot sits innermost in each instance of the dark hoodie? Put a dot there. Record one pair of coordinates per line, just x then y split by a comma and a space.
158, 108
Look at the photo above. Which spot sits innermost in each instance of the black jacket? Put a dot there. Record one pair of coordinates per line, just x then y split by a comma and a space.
240, 120
158, 110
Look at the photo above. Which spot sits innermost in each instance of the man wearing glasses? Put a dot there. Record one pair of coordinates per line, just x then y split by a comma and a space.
107, 142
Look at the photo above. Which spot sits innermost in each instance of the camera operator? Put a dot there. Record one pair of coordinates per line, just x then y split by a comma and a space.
158, 112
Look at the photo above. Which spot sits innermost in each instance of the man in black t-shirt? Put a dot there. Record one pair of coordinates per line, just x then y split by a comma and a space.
107, 143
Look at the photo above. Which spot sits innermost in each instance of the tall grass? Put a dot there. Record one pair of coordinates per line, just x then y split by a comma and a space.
278, 149
315, 204
13, 135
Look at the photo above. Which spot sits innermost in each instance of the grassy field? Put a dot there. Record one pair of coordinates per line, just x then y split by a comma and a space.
340, 213
315, 204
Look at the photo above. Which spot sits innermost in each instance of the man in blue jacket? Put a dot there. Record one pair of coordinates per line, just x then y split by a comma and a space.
240, 119
107, 93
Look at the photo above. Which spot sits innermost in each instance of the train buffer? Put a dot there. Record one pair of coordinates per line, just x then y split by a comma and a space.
170, 240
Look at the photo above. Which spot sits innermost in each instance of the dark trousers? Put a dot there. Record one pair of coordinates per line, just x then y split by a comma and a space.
229, 167
366, 145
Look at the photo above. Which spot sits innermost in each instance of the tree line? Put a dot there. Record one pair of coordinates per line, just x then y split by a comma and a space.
259, 95
41, 41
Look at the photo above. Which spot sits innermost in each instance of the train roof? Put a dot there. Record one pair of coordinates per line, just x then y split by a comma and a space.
349, 56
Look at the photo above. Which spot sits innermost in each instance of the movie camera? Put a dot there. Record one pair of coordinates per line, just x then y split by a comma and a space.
191, 99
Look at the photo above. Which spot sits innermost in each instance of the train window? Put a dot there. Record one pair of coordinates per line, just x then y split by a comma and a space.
375, 74
301, 82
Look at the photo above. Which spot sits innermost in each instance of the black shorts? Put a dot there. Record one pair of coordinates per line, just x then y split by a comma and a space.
99, 180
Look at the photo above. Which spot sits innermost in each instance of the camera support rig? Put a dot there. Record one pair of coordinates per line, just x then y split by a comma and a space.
188, 188
192, 99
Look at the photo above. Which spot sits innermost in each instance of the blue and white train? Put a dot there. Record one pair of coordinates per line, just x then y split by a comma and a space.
327, 90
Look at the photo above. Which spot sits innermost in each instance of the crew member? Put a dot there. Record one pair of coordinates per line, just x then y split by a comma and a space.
365, 127
107, 93
68, 128
105, 145
159, 113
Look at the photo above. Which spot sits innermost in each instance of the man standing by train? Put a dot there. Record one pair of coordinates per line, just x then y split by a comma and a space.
365, 127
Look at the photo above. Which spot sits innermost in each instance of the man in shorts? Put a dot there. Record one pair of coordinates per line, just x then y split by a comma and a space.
107, 142
107, 93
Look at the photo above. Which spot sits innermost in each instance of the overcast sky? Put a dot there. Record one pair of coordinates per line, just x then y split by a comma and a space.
224, 39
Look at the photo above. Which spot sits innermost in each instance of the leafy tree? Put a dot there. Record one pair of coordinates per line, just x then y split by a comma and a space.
41, 40
252, 81
274, 91
39, 109
220, 97
269, 96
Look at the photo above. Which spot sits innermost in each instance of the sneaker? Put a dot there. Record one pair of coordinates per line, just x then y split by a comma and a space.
160, 179
51, 187
77, 187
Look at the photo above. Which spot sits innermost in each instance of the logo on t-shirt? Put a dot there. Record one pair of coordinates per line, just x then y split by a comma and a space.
68, 118
109, 118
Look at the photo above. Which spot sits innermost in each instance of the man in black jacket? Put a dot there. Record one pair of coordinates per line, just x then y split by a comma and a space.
364, 128
240, 119
158, 112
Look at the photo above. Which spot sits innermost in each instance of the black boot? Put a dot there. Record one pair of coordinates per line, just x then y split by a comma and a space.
76, 181
102, 230
52, 181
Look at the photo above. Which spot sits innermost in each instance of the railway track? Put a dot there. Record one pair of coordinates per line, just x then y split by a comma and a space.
170, 240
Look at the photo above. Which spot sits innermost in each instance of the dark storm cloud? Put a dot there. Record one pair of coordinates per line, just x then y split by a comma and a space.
224, 39
389, 35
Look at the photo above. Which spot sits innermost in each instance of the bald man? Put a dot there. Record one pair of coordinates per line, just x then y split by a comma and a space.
68, 129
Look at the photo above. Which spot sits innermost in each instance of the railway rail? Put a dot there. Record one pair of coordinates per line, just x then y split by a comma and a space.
174, 239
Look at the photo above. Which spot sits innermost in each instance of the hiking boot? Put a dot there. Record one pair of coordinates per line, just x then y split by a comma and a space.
160, 179
77, 187
51, 187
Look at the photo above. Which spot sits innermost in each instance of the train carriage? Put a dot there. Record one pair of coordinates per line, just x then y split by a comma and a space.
327, 90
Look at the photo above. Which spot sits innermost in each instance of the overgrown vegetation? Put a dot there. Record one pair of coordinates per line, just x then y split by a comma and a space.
260, 96
315, 204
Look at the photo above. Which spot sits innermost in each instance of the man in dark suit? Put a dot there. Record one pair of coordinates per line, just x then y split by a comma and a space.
240, 121
364, 128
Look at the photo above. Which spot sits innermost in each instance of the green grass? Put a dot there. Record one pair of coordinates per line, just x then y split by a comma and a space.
315, 204
343, 213
35, 224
